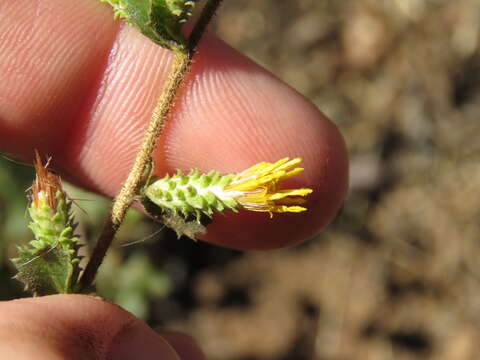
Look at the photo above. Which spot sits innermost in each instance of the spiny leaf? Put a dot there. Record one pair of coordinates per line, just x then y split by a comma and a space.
184, 227
188, 226
160, 20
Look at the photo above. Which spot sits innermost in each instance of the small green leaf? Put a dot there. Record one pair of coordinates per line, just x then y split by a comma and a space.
160, 20
48, 271
182, 225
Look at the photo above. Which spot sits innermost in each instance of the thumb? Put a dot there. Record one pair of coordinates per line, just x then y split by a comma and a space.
77, 327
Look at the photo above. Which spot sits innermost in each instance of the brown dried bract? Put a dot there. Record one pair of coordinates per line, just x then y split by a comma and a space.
46, 184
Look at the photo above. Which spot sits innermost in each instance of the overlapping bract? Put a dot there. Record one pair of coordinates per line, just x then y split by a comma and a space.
160, 20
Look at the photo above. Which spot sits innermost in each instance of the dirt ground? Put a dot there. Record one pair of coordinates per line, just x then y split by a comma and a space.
397, 276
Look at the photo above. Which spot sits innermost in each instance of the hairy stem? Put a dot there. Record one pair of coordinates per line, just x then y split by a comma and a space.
125, 197
166, 101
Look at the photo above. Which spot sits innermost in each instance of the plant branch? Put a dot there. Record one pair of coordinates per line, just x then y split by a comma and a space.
198, 30
165, 104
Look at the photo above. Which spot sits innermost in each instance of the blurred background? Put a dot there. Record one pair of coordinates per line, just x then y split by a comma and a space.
397, 275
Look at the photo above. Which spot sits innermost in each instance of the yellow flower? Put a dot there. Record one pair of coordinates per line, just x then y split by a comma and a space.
184, 200
257, 188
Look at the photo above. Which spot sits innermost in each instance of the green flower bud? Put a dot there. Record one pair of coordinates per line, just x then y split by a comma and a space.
160, 20
49, 264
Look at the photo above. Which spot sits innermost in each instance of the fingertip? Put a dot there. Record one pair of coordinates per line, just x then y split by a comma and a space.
78, 327
234, 114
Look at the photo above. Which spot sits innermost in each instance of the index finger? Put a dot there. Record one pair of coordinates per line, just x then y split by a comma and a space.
80, 87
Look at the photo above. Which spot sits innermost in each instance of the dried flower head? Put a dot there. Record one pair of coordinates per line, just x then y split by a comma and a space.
46, 185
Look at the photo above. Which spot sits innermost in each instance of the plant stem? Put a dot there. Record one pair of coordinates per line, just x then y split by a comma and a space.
166, 102
198, 30
181, 64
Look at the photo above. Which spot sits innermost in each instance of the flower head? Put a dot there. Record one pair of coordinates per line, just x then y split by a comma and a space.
258, 188
184, 201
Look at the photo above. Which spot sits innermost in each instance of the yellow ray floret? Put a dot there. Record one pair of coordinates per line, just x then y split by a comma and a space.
257, 188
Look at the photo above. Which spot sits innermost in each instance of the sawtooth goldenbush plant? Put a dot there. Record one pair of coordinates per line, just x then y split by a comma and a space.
186, 202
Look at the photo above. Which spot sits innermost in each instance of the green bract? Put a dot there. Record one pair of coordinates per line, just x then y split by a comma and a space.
192, 194
185, 202
160, 20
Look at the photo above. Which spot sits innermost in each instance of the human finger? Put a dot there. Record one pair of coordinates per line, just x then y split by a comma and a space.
72, 327
81, 88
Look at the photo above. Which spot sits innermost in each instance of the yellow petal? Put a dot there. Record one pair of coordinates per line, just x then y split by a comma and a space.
290, 192
289, 164
284, 208
257, 188
292, 173
269, 167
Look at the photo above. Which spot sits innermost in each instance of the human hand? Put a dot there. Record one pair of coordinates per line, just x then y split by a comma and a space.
80, 87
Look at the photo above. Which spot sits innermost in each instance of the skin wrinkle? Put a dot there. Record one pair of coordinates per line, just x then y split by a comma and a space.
210, 83
239, 109
19, 33
214, 80
283, 125
244, 106
127, 75
40, 116
309, 147
90, 106
82, 147
314, 141
136, 98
